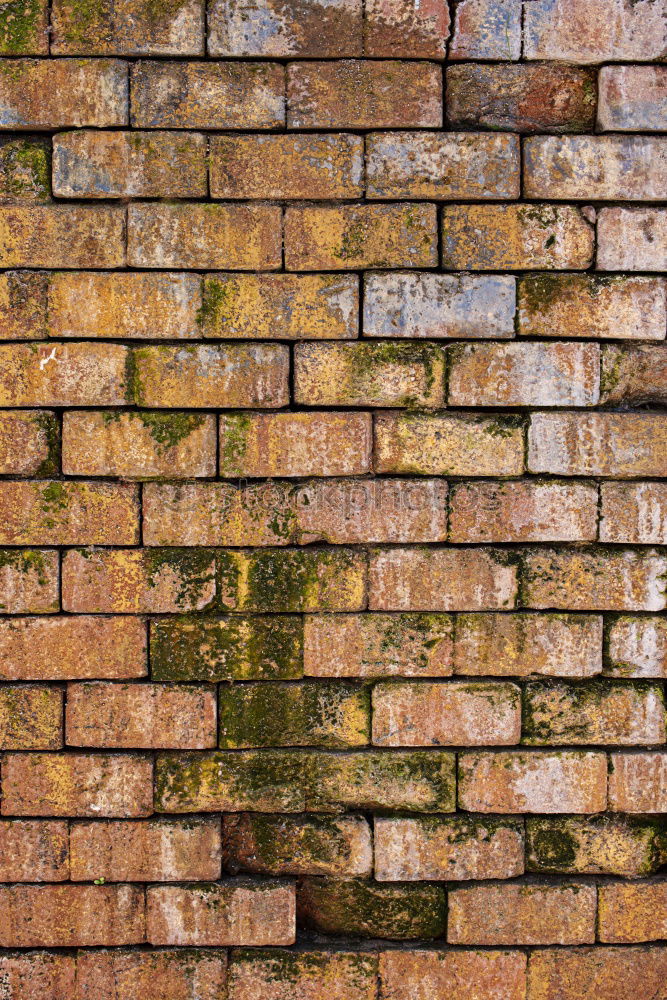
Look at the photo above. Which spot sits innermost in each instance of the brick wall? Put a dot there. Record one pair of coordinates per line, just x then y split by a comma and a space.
333, 509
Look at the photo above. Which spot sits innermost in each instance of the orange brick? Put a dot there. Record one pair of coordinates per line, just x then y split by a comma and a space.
33, 850
597, 973
131, 29
486, 29
31, 718
468, 975
29, 581
279, 975
634, 512
632, 239
28, 442
525, 511
601, 712
39, 975
23, 296
66, 915
268, 28
634, 375
42, 94
53, 374
180, 974
62, 236
50, 512
633, 913
638, 782
593, 845
397, 26
637, 647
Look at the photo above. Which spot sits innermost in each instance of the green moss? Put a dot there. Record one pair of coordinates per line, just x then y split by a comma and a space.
134, 390
502, 425
217, 294
25, 561
26, 170
367, 909
366, 362
541, 291
22, 24
192, 566
48, 424
169, 429
235, 428
612, 368
353, 243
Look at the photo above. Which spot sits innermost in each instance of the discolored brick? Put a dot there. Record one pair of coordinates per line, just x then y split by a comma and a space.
39, 975
50, 512
398, 26
618, 445
177, 974
633, 913
60, 235
491, 975
632, 98
66, 915
274, 975
358, 908
638, 782
28, 442
24, 32
31, 718
486, 29
637, 647
23, 296
43, 94
55, 374
598, 973
130, 28
634, 512
634, 374
632, 239
593, 845
269, 28
25, 168
29, 581
592, 31
34, 850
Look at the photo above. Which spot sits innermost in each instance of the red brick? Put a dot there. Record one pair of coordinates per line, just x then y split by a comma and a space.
634, 374
525, 511
132, 28
38, 975
486, 29
66, 915
23, 296
270, 28
33, 851
310, 975
468, 975
29, 581
53, 374
62, 236
634, 512
637, 647
30, 718
632, 98
638, 782
398, 27
633, 913
43, 94
619, 445
632, 239
597, 973
50, 512
592, 31
28, 440
162, 974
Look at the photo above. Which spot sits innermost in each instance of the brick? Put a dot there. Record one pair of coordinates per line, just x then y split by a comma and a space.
364, 94
331, 714
295, 444
137, 581
632, 239
269, 28
633, 913
603, 167
620, 445
33, 850
210, 375
54, 374
520, 237
632, 98
338, 237
441, 579
540, 781
593, 845
442, 165
233, 912
24, 171
634, 374
23, 297
66, 915
129, 165
594, 579
638, 782
50, 512
592, 31
28, 442
39, 975
397, 26
24, 32
486, 29
286, 166
77, 784
634, 512
155, 850
523, 511
297, 845
439, 305
29, 581
457, 444
30, 718
521, 98
62, 236
369, 375
245, 237
177, 974
276, 975
518, 645
207, 95
41, 94
396, 780
598, 973
618, 307
487, 975
637, 647
447, 848
378, 645
280, 306
522, 914
451, 713
133, 28
135, 716
224, 649
524, 374
368, 910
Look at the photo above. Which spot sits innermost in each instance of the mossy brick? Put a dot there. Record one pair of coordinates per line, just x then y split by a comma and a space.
128, 27
64, 915
634, 375
610, 445
632, 239
638, 782
498, 975
634, 513
593, 31
598, 973
632, 98
25, 169
398, 26
31, 718
280, 975
44, 94
486, 29
594, 845
364, 909
188, 973
633, 913
269, 28
59, 235
50, 512
61, 374
24, 28
23, 302
29, 443
636, 646
29, 581
34, 850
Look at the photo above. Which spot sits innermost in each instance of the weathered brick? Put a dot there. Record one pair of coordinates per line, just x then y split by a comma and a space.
297, 845
593, 845
369, 375
439, 305
155, 850
447, 848
65, 915
331, 714
638, 782
31, 718
442, 165
233, 912
177, 974
215, 95
633, 913
486, 29
521, 98
595, 579
522, 914
442, 579
469, 975
130, 28
42, 94
398, 26
618, 307
353, 907
637, 647
28, 442
634, 374
77, 784
270, 28
364, 94
540, 781
338, 237
449, 713
286, 166
521, 237
137, 581
24, 171
33, 850
523, 511
378, 645
23, 296
295, 444
39, 975
49, 512
597, 973
224, 649
620, 445
29, 581
62, 236
592, 31
518, 645
279, 975
632, 239
245, 237
53, 374
634, 512
457, 444
24, 32
129, 165
632, 98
